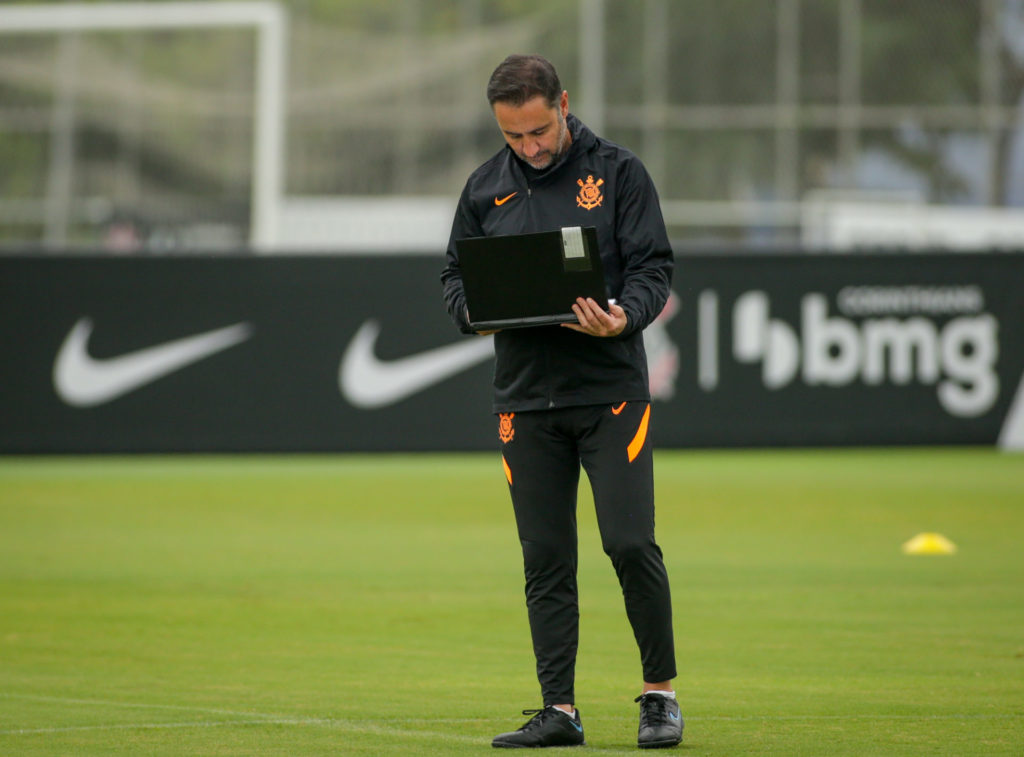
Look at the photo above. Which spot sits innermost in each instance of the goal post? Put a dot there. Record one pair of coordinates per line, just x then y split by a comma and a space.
269, 118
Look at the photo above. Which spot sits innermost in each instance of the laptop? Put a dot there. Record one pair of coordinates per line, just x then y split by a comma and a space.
521, 280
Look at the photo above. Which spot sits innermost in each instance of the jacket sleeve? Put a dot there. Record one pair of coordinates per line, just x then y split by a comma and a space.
466, 224
644, 247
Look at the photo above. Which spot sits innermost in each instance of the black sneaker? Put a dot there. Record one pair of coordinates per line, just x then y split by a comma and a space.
547, 727
661, 724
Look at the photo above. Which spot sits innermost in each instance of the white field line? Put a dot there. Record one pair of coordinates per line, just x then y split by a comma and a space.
135, 726
134, 705
244, 719
343, 725
394, 726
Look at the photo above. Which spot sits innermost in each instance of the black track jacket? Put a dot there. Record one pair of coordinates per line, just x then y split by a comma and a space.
599, 184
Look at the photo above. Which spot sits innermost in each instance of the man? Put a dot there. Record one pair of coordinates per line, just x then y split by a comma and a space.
577, 393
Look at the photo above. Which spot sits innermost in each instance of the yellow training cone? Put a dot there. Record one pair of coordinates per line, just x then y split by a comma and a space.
929, 544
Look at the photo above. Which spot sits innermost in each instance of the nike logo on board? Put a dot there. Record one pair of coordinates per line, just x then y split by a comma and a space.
84, 381
368, 383
503, 200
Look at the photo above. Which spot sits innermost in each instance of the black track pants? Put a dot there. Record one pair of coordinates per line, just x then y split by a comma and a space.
542, 452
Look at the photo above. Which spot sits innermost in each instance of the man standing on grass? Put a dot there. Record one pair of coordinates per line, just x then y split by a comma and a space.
577, 393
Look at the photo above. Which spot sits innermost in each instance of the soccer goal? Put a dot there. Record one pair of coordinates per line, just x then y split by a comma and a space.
269, 21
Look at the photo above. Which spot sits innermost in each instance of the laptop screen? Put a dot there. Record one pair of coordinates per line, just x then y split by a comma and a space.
530, 279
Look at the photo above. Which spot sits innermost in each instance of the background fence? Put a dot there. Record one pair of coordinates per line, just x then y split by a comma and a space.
746, 113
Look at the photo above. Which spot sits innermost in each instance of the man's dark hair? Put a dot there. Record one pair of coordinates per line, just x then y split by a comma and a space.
520, 78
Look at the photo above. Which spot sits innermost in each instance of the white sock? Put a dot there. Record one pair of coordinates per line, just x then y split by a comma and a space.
567, 714
666, 694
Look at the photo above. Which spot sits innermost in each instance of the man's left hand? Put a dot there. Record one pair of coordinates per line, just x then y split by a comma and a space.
595, 321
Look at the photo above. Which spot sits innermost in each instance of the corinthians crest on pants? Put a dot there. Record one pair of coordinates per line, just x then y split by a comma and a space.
590, 195
506, 431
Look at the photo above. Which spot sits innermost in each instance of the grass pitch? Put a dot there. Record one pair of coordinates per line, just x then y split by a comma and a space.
370, 605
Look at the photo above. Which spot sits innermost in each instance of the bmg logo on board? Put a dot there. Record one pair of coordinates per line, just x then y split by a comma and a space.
876, 335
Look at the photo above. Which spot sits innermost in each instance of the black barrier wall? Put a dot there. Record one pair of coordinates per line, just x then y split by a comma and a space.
104, 354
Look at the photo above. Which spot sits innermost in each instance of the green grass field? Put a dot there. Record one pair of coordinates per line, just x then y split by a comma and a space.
373, 605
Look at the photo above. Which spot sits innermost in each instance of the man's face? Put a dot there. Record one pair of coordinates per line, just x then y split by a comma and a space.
535, 131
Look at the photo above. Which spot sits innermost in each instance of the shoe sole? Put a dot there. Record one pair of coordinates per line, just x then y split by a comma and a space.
659, 744
523, 746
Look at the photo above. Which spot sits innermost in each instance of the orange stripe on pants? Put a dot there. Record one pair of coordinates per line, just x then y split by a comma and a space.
508, 471
641, 436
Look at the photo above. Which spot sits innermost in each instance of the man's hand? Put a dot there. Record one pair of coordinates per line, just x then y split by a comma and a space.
596, 322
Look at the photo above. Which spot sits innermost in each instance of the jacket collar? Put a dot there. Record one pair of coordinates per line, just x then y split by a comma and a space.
583, 139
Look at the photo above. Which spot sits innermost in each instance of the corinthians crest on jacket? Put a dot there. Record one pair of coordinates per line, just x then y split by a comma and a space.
590, 195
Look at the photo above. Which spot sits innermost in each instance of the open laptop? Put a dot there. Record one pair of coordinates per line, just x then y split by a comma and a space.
520, 280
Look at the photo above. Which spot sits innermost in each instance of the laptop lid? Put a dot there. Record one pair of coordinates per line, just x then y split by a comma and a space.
520, 280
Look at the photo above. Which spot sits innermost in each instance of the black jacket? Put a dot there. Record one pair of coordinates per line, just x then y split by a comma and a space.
599, 184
